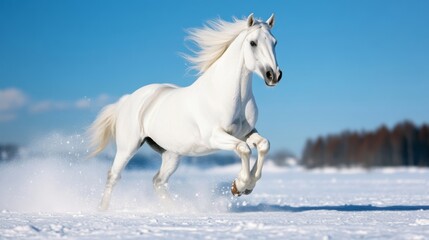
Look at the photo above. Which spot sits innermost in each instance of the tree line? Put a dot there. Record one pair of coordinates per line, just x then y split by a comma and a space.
404, 145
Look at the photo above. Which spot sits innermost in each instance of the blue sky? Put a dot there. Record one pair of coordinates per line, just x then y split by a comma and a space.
346, 64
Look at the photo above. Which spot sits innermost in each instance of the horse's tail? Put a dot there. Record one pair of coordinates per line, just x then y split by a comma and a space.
104, 127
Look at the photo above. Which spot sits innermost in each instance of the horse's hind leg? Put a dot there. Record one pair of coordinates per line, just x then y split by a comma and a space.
170, 162
126, 148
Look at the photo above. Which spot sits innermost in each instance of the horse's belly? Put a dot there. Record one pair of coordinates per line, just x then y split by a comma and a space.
176, 140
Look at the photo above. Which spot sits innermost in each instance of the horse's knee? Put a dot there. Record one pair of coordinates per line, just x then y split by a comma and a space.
243, 149
264, 146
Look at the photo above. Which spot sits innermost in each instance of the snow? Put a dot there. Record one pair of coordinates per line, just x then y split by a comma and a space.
52, 197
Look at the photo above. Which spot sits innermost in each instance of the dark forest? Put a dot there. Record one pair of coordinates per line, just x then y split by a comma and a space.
404, 145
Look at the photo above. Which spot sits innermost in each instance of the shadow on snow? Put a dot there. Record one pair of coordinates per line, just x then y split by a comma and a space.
263, 207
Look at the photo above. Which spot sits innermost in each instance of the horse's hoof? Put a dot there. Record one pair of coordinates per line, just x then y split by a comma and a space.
234, 190
247, 191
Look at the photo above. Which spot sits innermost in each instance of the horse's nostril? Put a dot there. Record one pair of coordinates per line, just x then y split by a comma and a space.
269, 75
280, 75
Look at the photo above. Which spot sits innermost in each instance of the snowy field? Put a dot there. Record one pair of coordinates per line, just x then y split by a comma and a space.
53, 197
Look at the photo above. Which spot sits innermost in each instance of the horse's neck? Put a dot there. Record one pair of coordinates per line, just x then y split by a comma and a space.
228, 78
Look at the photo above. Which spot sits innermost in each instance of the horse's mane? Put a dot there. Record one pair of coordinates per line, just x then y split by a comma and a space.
212, 40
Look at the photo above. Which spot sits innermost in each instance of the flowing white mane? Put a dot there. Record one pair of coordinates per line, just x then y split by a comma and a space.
212, 41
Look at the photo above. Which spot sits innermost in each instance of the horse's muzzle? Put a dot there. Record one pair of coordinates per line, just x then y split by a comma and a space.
271, 78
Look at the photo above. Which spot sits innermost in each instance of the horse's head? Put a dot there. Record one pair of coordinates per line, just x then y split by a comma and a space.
259, 50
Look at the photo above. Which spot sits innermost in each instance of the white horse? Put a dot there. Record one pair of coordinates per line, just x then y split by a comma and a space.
217, 112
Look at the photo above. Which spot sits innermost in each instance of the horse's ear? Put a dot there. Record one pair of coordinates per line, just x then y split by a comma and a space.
270, 21
250, 20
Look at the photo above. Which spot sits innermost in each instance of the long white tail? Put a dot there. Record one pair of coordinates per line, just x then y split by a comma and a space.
104, 127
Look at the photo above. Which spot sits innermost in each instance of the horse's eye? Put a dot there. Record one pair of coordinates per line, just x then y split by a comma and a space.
253, 43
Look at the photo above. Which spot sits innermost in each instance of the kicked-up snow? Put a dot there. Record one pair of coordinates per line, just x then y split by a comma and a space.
48, 197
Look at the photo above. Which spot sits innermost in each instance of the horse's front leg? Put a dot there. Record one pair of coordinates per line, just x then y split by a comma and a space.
263, 146
222, 140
